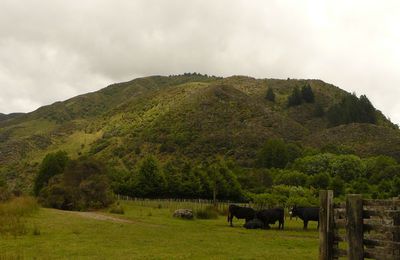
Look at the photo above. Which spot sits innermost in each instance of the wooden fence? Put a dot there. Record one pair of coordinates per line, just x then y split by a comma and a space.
359, 228
174, 204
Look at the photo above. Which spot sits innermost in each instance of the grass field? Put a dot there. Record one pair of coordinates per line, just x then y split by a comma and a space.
151, 233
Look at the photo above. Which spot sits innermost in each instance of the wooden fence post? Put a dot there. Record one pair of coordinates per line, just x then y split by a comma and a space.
396, 235
354, 226
326, 225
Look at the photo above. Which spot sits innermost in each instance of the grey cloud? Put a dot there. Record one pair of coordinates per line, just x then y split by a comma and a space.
51, 49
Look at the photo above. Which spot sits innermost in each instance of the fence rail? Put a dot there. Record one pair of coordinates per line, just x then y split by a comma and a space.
367, 228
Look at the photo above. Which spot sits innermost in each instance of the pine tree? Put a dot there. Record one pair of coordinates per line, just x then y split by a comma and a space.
295, 98
307, 93
352, 110
367, 109
270, 95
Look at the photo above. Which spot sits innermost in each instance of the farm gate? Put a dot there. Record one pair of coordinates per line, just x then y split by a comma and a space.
359, 228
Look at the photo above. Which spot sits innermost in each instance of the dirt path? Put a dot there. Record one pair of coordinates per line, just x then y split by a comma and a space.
100, 216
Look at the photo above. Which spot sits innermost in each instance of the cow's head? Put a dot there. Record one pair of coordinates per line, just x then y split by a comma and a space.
293, 211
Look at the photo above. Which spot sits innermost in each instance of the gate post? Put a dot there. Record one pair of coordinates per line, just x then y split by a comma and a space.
354, 226
326, 225
396, 222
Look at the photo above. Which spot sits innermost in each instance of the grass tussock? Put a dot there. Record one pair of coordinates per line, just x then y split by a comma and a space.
209, 212
13, 215
117, 209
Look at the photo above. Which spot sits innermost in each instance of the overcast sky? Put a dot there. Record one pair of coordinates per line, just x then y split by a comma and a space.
52, 50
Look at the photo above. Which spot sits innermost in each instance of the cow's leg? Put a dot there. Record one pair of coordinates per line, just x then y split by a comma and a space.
305, 224
281, 224
230, 217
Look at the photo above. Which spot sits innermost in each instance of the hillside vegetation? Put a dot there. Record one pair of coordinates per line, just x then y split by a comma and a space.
188, 116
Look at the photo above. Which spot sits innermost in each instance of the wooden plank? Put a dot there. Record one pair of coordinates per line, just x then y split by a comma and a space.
380, 253
380, 213
381, 243
382, 203
381, 228
354, 227
326, 225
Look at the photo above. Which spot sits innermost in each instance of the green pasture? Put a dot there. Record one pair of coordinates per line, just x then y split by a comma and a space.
150, 232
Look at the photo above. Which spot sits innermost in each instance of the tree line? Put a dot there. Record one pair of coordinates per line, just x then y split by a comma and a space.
283, 174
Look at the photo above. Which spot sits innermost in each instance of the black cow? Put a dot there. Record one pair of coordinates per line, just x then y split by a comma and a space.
255, 223
306, 214
270, 216
240, 213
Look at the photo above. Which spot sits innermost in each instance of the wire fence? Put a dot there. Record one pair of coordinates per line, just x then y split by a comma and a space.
174, 204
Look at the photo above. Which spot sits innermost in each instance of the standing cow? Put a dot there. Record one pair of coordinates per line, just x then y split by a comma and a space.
240, 213
270, 216
306, 214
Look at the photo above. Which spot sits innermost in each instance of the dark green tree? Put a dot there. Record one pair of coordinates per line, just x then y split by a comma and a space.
368, 111
173, 177
151, 181
273, 154
352, 110
295, 98
307, 94
52, 164
270, 95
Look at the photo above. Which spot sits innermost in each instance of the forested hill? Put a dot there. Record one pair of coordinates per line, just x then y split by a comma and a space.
194, 116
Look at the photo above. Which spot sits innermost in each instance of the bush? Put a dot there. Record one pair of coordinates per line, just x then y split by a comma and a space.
83, 185
208, 213
117, 209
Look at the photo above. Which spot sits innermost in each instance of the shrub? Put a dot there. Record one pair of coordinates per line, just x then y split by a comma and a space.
117, 209
83, 185
13, 214
209, 212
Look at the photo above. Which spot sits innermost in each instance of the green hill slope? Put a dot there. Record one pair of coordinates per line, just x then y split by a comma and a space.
189, 115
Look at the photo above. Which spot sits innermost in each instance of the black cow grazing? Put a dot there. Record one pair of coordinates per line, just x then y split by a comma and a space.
306, 214
270, 216
255, 223
240, 213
